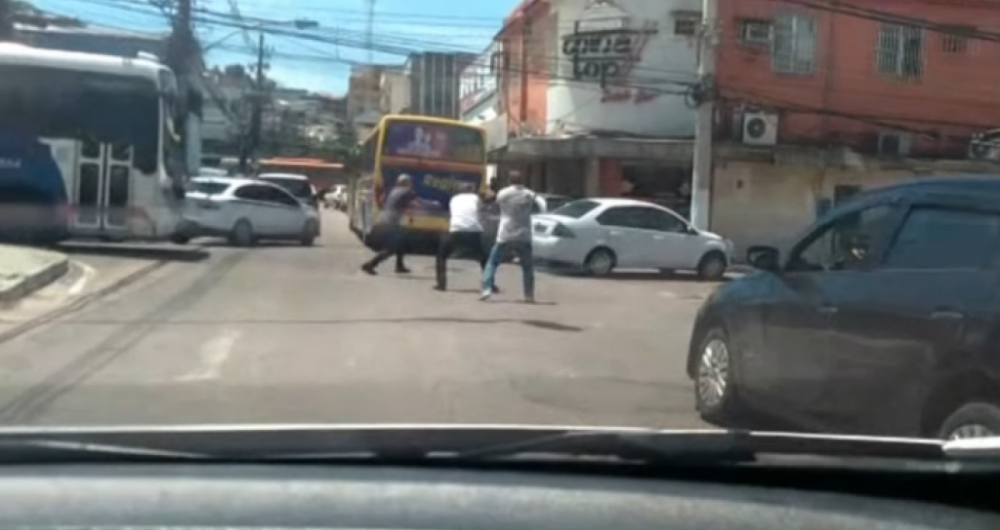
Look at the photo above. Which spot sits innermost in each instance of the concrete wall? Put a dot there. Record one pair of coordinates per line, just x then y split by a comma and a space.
524, 77
757, 203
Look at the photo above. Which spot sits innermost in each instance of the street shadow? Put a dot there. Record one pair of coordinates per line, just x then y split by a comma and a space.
144, 252
267, 243
535, 323
640, 276
521, 302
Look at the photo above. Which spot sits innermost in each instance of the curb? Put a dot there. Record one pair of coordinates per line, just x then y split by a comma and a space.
35, 279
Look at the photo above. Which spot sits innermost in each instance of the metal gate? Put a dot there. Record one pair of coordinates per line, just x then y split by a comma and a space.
103, 189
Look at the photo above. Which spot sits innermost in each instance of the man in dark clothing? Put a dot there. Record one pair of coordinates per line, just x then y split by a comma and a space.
465, 232
388, 228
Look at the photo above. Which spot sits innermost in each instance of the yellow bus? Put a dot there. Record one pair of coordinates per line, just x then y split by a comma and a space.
438, 154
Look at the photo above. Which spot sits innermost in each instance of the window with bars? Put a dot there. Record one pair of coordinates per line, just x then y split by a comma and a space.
953, 39
901, 51
686, 25
793, 43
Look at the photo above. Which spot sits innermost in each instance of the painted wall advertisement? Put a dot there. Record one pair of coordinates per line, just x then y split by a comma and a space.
605, 47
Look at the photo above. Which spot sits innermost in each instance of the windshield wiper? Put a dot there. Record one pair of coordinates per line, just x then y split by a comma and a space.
430, 443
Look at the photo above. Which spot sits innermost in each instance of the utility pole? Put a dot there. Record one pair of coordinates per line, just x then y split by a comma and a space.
252, 147
701, 177
6, 20
182, 52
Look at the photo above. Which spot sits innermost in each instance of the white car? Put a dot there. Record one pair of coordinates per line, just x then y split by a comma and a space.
600, 235
247, 210
297, 185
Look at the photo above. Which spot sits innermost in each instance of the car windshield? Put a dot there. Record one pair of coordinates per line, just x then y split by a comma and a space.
576, 209
297, 187
208, 187
444, 218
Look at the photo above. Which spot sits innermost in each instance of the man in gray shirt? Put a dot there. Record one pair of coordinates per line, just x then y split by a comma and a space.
388, 226
516, 203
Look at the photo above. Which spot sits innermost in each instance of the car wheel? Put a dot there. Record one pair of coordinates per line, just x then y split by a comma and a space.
242, 234
600, 262
972, 420
180, 239
712, 266
714, 385
309, 233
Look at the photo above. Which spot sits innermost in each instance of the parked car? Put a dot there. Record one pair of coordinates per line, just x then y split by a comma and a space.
882, 319
297, 185
247, 210
550, 201
600, 235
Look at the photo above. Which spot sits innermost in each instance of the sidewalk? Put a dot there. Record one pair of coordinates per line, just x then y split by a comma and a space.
24, 270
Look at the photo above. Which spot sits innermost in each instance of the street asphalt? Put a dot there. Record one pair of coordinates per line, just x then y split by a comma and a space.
288, 334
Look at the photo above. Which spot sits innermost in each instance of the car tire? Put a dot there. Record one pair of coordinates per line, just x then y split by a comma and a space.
600, 262
242, 234
972, 420
309, 234
712, 266
180, 239
715, 392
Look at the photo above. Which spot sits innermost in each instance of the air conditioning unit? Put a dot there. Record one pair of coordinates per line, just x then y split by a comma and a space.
760, 128
985, 146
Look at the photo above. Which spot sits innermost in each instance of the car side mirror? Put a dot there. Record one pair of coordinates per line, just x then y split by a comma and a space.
764, 258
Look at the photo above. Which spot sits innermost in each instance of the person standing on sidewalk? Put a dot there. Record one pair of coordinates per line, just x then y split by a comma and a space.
514, 235
388, 228
465, 232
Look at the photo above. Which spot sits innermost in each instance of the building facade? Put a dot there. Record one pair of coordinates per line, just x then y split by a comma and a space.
478, 102
434, 82
817, 104
364, 98
596, 96
395, 89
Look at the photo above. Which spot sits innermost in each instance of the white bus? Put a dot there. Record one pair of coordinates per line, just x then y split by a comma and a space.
88, 147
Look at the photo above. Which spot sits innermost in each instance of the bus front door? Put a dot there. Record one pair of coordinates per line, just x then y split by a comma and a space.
103, 190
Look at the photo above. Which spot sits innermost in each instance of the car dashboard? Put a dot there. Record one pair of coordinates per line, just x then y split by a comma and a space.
365, 497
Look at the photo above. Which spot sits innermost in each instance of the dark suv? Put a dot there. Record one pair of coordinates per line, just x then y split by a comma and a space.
883, 319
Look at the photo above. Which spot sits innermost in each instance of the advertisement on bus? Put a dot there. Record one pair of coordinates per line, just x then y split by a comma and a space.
432, 141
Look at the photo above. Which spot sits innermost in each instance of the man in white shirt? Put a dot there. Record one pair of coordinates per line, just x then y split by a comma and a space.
465, 231
514, 236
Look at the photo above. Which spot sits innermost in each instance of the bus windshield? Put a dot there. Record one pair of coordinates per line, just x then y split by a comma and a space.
450, 143
48, 102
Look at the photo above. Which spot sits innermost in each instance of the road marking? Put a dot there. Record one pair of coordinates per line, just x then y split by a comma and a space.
213, 357
81, 282
668, 294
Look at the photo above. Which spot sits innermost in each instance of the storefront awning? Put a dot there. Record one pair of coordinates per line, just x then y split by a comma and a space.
675, 151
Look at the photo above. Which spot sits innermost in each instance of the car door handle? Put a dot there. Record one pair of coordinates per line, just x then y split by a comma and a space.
828, 309
946, 314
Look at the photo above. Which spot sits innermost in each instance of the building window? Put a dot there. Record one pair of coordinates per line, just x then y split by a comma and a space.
793, 46
755, 32
686, 26
953, 39
901, 51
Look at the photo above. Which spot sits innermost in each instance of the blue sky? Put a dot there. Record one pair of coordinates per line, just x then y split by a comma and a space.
400, 26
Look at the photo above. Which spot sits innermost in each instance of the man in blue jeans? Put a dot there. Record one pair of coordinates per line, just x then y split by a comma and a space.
514, 235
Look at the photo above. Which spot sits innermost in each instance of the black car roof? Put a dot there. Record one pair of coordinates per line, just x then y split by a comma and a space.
958, 184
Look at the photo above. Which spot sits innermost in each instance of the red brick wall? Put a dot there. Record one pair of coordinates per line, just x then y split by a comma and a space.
846, 96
